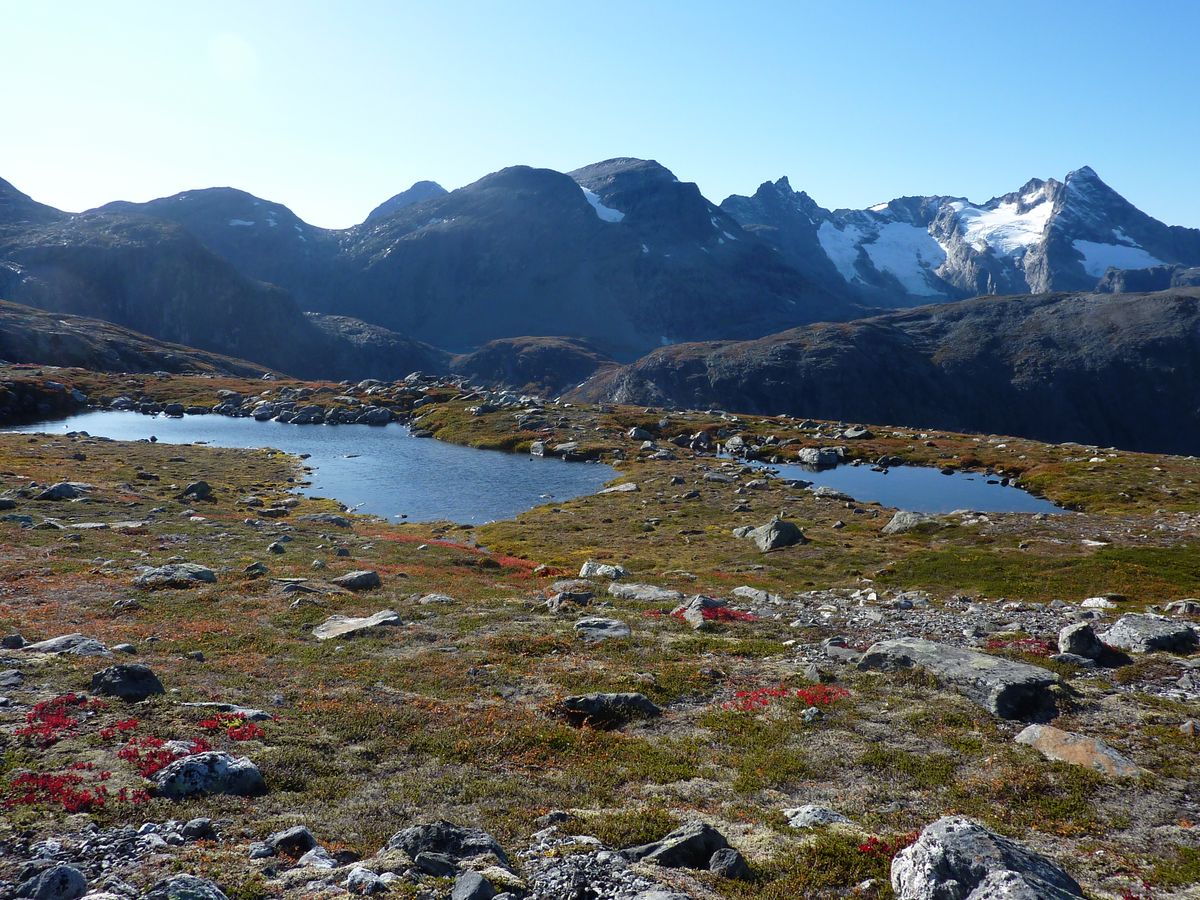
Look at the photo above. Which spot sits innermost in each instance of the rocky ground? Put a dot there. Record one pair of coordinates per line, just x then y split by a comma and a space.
702, 682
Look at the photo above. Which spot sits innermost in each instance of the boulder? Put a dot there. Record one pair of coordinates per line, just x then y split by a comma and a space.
55, 883
131, 683
1004, 687
1080, 640
821, 458
72, 644
174, 575
776, 534
294, 841
345, 626
594, 629
958, 859
185, 887
690, 846
358, 580
593, 569
326, 519
1078, 750
813, 816
365, 882
728, 863
1142, 633
472, 886
64, 490
212, 772
608, 710
904, 520
198, 490
447, 839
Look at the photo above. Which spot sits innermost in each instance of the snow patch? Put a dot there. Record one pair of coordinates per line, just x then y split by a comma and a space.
841, 246
909, 253
240, 223
605, 213
271, 220
1098, 258
1005, 230
729, 236
878, 207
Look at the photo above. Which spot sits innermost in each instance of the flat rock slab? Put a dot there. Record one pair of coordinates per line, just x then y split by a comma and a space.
175, 575
958, 859
326, 519
646, 593
812, 816
73, 644
1011, 690
1143, 633
1078, 750
593, 569
905, 520
594, 629
344, 626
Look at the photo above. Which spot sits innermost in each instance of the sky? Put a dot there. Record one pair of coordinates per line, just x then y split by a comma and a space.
330, 108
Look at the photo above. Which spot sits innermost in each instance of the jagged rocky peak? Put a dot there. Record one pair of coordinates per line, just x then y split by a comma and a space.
1048, 235
418, 193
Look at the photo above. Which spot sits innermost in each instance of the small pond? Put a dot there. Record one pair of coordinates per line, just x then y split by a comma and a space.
382, 471
921, 488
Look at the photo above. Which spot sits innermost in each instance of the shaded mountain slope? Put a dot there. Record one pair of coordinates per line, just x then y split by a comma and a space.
541, 365
1119, 369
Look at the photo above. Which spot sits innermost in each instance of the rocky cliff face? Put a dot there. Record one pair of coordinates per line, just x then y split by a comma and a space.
1119, 370
1047, 236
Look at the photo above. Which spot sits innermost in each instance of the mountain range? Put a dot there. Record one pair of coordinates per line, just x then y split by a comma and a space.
542, 279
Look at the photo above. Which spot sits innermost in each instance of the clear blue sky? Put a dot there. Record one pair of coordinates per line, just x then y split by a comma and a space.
332, 107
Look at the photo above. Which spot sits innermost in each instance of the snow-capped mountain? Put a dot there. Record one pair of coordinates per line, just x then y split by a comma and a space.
1049, 235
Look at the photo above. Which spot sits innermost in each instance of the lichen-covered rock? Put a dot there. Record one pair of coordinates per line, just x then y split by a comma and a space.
958, 859
212, 772
1080, 640
690, 846
1078, 750
776, 534
185, 887
131, 683
175, 575
442, 837
346, 626
55, 883
905, 520
359, 580
608, 710
1143, 633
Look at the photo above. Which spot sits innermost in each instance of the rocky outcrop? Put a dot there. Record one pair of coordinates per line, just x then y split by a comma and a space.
1011, 690
211, 772
546, 366
1143, 633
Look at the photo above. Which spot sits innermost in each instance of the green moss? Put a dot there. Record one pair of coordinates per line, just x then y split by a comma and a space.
827, 865
1181, 871
631, 827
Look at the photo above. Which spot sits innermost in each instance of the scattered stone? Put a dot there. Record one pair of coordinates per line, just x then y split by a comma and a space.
905, 520
365, 882
64, 490
1098, 603
627, 487
1190, 727
72, 644
956, 858
358, 580
318, 858
646, 593
175, 575
813, 816
729, 863
472, 886
594, 630
1188, 607
1142, 633
12, 642
690, 846
1080, 640
1078, 750
326, 519
11, 678
212, 772
275, 547
199, 490
439, 865
1004, 687
185, 887
55, 883
608, 710
294, 841
821, 458
124, 648
344, 626
593, 569
130, 683
776, 534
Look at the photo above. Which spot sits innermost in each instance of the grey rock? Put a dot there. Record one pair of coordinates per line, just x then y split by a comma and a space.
212, 772
729, 863
645, 593
440, 865
198, 490
776, 534
812, 816
326, 519
359, 580
821, 458
1009, 689
198, 829
472, 886
593, 569
175, 575
1080, 640
594, 629
12, 642
11, 678
365, 882
1142, 633
55, 883
345, 626
690, 846
131, 683
185, 887
628, 487
904, 521
608, 710
294, 841
72, 644
318, 858
444, 837
64, 490
958, 859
